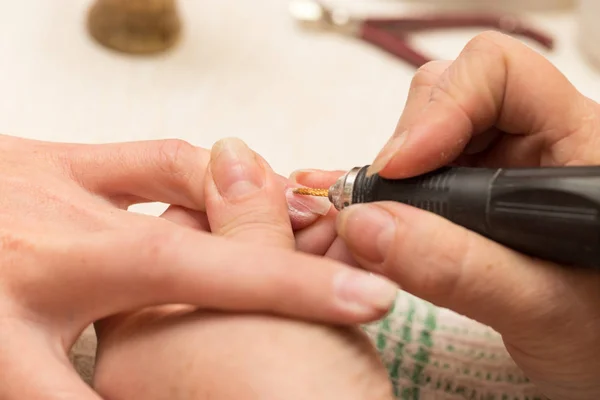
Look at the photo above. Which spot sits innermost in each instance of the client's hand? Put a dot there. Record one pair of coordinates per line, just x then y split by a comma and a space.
181, 353
72, 254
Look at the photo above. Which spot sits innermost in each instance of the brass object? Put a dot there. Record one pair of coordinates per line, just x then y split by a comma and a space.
312, 192
135, 26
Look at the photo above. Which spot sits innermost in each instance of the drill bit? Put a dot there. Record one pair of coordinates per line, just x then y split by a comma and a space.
312, 192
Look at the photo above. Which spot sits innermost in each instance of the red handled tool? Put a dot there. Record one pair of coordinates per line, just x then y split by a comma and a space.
391, 34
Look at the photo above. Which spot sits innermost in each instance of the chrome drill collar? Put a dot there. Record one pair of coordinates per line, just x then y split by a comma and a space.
340, 193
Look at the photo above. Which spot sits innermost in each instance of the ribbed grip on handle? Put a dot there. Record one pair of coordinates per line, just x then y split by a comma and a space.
429, 192
549, 213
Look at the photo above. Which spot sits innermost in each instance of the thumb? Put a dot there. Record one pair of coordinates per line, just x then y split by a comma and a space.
496, 81
450, 266
35, 368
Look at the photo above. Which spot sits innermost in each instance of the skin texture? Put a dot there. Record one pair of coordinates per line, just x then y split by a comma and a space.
181, 353
499, 104
72, 254
197, 355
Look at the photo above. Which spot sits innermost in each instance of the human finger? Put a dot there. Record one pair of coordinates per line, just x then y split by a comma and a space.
315, 178
184, 216
26, 350
495, 81
419, 92
168, 171
339, 251
315, 235
244, 198
305, 211
302, 211
321, 236
178, 215
453, 267
161, 263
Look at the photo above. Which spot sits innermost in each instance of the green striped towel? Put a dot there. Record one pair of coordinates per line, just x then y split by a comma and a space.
433, 353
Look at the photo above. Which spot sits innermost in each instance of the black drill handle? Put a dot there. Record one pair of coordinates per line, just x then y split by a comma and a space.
549, 213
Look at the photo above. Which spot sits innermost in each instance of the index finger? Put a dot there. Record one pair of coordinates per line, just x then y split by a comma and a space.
495, 82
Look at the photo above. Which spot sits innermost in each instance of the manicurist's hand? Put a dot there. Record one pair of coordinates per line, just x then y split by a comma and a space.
498, 105
71, 254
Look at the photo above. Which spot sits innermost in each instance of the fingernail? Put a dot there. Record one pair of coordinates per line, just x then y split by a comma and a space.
364, 292
235, 169
299, 204
298, 177
305, 205
387, 153
368, 230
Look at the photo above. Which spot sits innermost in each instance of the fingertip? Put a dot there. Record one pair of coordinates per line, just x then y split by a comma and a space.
236, 171
314, 178
430, 143
368, 230
365, 295
245, 198
305, 210
300, 176
388, 153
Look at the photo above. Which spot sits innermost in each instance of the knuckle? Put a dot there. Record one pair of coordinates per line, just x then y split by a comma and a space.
174, 156
156, 241
451, 87
443, 270
474, 86
63, 158
157, 250
488, 42
485, 50
180, 163
259, 225
445, 89
428, 74
442, 91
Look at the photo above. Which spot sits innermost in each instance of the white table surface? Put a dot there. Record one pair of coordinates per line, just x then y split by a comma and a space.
242, 68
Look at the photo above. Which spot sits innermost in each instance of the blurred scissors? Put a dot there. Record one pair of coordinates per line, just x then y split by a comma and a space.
390, 34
